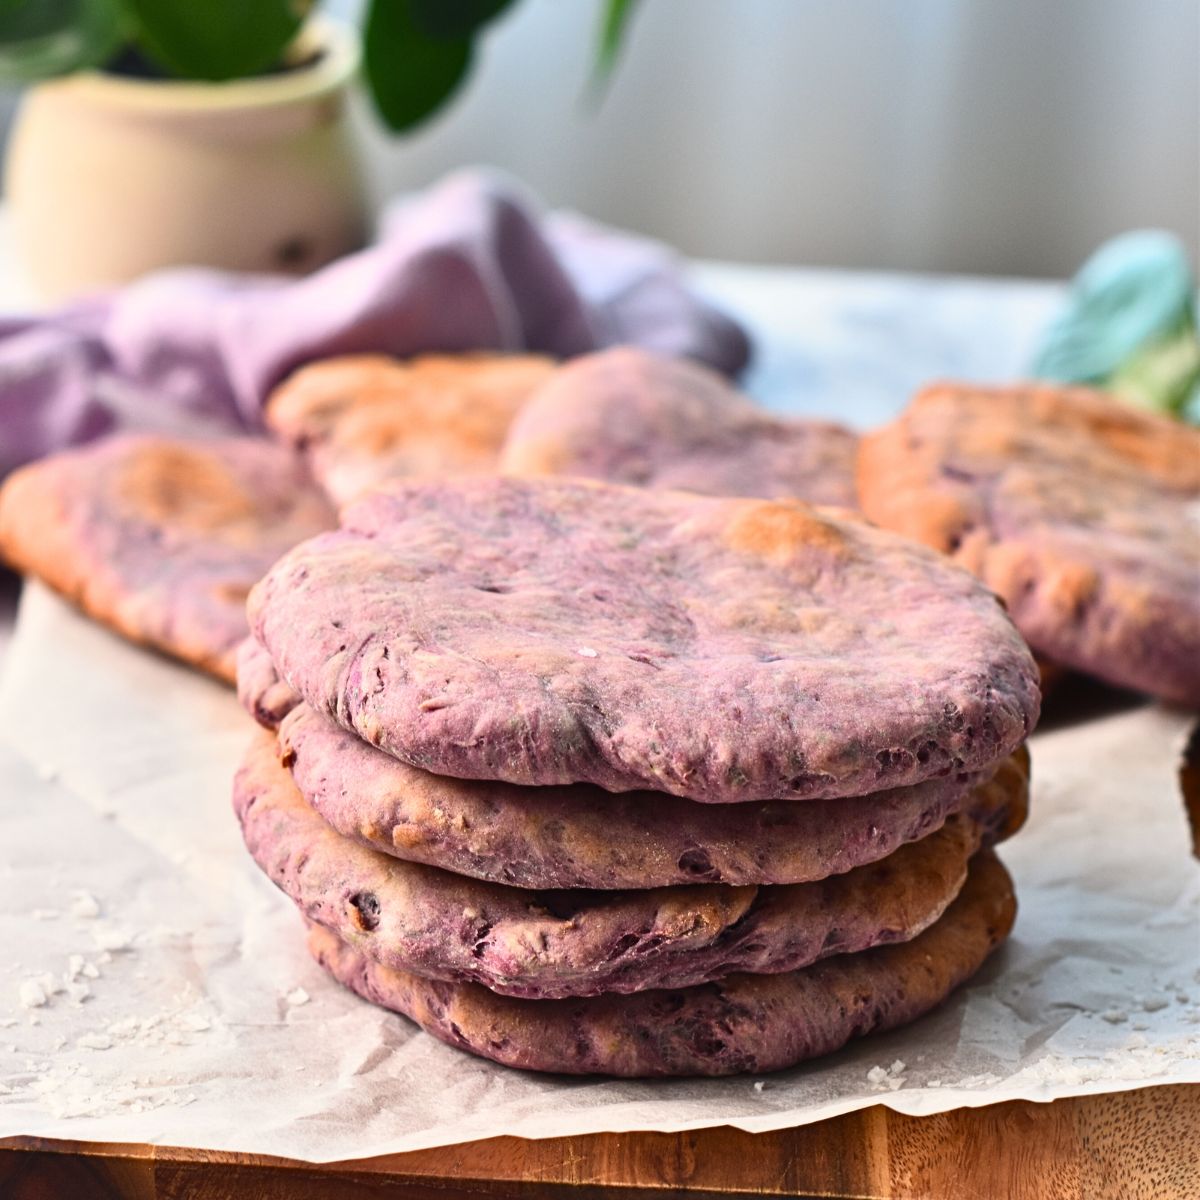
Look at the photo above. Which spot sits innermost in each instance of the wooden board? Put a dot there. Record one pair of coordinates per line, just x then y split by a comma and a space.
1141, 1145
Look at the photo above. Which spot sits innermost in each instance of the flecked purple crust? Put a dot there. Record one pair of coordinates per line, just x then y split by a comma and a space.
266, 697
744, 1023
546, 944
579, 836
563, 631
630, 416
1081, 512
161, 539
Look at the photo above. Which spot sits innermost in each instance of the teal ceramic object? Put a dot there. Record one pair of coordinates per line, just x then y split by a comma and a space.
1130, 325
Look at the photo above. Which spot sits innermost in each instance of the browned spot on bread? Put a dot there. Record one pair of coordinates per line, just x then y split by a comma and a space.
1153, 443
773, 614
232, 593
705, 911
943, 520
1009, 568
536, 456
470, 423
1087, 425
1071, 586
403, 837
173, 484
778, 530
314, 396
24, 493
1005, 797
161, 539
365, 418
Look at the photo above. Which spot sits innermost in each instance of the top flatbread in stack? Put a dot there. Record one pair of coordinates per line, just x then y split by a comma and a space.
1083, 514
593, 778
161, 539
556, 631
362, 419
629, 416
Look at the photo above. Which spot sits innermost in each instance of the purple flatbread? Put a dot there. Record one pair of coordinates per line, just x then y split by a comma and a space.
361, 419
579, 836
744, 1023
161, 539
1082, 513
266, 697
563, 631
630, 416
545, 944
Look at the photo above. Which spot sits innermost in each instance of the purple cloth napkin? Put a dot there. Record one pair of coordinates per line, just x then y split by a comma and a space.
470, 264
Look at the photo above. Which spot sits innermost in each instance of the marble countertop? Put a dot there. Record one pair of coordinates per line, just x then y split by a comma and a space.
855, 345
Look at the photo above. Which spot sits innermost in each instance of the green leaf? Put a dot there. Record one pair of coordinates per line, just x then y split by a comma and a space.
42, 38
1134, 289
215, 39
410, 74
1164, 373
613, 29
454, 19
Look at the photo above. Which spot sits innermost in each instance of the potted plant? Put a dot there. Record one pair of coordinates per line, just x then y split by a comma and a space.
162, 132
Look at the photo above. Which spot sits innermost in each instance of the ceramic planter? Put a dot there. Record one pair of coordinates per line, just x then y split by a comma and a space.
109, 177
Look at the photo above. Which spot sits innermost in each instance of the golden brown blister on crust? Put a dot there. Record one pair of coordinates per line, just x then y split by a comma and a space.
774, 529
179, 485
1006, 795
1083, 515
362, 419
161, 539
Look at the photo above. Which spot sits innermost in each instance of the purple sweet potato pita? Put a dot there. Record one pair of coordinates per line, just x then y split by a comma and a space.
580, 942
743, 1023
161, 539
1082, 513
266, 697
579, 836
630, 416
364, 418
561, 631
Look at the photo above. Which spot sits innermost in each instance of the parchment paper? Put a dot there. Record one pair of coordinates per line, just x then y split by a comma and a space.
181, 1008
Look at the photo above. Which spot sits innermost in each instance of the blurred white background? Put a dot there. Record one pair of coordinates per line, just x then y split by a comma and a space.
990, 136
986, 136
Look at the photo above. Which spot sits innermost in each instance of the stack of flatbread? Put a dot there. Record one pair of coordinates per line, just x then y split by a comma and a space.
589, 778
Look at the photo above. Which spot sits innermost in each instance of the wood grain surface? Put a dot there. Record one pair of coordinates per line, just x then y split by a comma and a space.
1140, 1145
